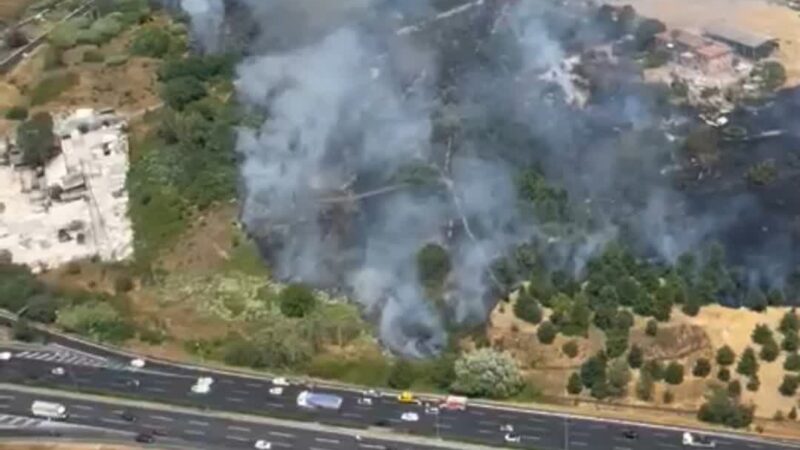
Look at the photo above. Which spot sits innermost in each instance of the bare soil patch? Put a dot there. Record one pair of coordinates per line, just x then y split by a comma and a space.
11, 10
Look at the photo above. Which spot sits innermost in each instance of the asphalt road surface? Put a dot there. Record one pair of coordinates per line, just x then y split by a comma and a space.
194, 430
250, 395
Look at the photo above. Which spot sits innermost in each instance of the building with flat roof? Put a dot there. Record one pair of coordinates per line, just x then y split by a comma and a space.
745, 43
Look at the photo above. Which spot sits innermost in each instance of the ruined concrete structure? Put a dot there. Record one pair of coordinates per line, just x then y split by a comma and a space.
74, 207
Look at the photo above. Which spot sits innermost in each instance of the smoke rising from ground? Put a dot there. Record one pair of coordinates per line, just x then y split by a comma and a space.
349, 105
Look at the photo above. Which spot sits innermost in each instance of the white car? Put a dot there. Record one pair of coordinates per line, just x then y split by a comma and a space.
365, 401
59, 371
5, 356
508, 428
696, 440
137, 363
370, 393
512, 438
280, 381
263, 445
276, 390
201, 388
409, 417
432, 410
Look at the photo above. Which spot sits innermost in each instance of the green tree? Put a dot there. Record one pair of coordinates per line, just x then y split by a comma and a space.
487, 373
619, 375
790, 323
735, 388
297, 300
753, 384
771, 73
725, 356
402, 375
527, 308
433, 265
724, 374
17, 113
673, 374
577, 318
748, 364
791, 342
702, 367
645, 386
662, 303
151, 41
655, 369
769, 351
23, 331
761, 334
180, 92
720, 408
570, 348
792, 413
616, 342
792, 363
96, 319
36, 140
546, 332
651, 329
635, 357
692, 306
41, 308
574, 384
789, 385
593, 370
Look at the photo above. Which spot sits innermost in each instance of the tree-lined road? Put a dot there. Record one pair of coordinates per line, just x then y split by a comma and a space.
242, 394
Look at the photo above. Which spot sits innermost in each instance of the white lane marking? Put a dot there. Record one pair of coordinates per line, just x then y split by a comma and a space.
237, 438
376, 446
235, 399
317, 448
445, 426
6, 397
275, 405
531, 437
226, 381
490, 423
534, 429
282, 444
198, 423
83, 407
241, 392
5, 406
661, 434
477, 413
254, 385
486, 431
163, 418
242, 429
598, 426
327, 441
280, 434
195, 432
578, 443
354, 415
78, 416
755, 445
154, 389
621, 448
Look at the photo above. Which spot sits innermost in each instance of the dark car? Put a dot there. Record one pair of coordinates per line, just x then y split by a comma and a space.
127, 416
158, 432
630, 434
145, 438
382, 423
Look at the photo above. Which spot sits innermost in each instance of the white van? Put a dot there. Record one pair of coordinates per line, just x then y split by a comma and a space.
49, 410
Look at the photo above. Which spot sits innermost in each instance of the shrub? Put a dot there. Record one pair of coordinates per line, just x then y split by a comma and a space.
655, 369
296, 300
574, 384
593, 370
725, 356
619, 375
23, 331
487, 373
527, 308
644, 387
790, 323
35, 139
724, 374
546, 333
41, 308
151, 41
748, 365
402, 375
570, 348
735, 388
96, 319
616, 342
720, 408
792, 362
792, 413
635, 357
702, 367
651, 329
674, 373
123, 284
179, 92
667, 397
17, 113
789, 385
753, 384
93, 56
761, 334
791, 342
116, 60
770, 351
64, 35
51, 87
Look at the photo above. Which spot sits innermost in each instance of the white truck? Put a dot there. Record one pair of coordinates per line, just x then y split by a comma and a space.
696, 440
316, 400
49, 410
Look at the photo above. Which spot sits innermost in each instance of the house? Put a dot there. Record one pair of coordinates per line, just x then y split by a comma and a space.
745, 43
694, 51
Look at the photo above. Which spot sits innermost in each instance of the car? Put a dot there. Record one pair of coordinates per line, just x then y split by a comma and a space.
407, 397
370, 393
280, 381
127, 416
134, 383
158, 432
58, 371
145, 438
431, 410
5, 356
512, 438
409, 417
382, 423
261, 444
277, 390
137, 363
364, 401
631, 435
508, 428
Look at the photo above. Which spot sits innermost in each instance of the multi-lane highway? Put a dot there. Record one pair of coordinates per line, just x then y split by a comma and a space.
235, 393
191, 430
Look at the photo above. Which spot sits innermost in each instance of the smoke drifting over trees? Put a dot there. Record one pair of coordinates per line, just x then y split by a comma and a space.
373, 143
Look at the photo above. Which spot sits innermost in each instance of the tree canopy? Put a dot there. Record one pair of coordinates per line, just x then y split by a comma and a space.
487, 373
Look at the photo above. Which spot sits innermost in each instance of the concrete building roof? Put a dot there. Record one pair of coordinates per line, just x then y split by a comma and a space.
738, 36
713, 51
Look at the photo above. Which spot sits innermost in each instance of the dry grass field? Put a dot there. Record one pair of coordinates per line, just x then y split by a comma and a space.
11, 9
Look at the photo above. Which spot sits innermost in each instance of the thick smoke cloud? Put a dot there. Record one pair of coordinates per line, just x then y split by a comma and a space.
350, 104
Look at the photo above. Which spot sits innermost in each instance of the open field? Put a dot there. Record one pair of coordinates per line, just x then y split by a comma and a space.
756, 16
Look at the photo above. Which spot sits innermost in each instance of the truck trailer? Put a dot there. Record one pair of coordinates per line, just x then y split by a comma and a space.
315, 400
49, 410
